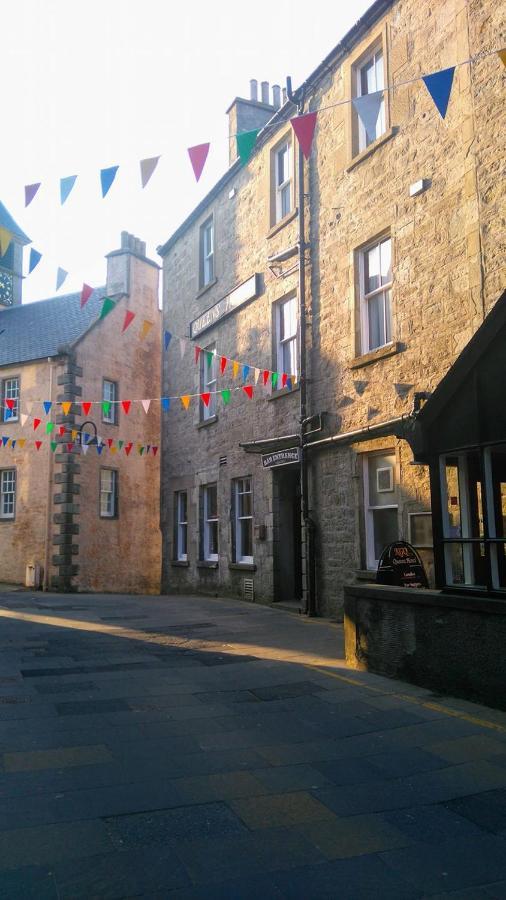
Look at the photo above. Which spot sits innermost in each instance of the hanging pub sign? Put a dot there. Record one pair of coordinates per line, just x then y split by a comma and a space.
401, 565
281, 458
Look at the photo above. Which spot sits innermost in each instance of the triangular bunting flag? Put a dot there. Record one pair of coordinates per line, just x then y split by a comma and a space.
129, 317
34, 260
107, 177
5, 240
502, 56
141, 451
85, 294
210, 357
126, 406
185, 400
66, 407
225, 396
61, 275
30, 191
368, 109
166, 339
146, 328
84, 449
198, 156
128, 448
289, 383
24, 419
145, 405
223, 364
86, 408
206, 397
36, 423
245, 372
284, 379
304, 127
100, 447
53, 446
21, 442
120, 444
66, 185
197, 353
109, 442
10, 403
148, 166
106, 408
235, 368
439, 86
29, 406
256, 376
5, 441
49, 427
13, 445
165, 404
61, 430
248, 390
47, 404
74, 434
114, 450
245, 141
155, 450
274, 379
265, 376
70, 447
38, 444
107, 306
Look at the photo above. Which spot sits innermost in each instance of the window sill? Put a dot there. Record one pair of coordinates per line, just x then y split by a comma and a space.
375, 355
281, 224
180, 563
207, 564
368, 575
205, 422
206, 287
364, 154
283, 392
243, 567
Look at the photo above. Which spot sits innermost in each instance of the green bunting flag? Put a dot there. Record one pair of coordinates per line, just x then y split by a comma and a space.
225, 396
106, 407
54, 445
107, 306
49, 427
274, 379
245, 143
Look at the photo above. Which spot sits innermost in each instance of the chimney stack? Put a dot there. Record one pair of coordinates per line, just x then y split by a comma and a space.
246, 115
265, 92
253, 90
276, 96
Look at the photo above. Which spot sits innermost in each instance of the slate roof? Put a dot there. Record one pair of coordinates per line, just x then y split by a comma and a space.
37, 330
6, 221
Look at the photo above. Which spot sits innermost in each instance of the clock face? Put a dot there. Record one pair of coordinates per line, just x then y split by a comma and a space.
6, 289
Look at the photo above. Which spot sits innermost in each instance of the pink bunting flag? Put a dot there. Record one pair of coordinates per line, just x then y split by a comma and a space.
198, 156
148, 166
85, 294
30, 191
129, 317
304, 127
146, 404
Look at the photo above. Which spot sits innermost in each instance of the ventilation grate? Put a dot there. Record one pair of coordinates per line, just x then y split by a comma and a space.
248, 590
223, 460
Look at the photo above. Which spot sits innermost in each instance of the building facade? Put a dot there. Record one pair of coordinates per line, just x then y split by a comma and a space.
403, 248
78, 512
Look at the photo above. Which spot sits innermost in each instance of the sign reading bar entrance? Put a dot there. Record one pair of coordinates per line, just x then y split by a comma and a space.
281, 458
244, 292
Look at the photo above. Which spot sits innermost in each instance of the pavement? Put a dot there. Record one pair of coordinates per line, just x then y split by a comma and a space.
186, 747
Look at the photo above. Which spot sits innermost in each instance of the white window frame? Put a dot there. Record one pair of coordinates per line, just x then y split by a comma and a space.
284, 340
206, 255
280, 187
181, 526
374, 55
111, 418
371, 563
11, 391
109, 494
8, 478
208, 382
365, 297
209, 522
238, 484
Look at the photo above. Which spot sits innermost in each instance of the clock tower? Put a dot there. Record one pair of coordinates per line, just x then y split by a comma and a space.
11, 263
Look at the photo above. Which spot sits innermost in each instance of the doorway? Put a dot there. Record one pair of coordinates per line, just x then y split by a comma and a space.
287, 536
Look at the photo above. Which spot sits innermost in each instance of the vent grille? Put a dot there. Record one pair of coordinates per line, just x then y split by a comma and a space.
248, 590
223, 460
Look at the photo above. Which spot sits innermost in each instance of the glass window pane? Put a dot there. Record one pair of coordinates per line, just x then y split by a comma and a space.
379, 467
371, 269
213, 538
386, 529
386, 261
375, 316
245, 504
285, 200
246, 537
212, 502
379, 77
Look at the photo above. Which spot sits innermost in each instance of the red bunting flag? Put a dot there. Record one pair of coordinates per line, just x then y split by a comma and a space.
86, 408
198, 351
265, 376
129, 317
248, 390
69, 447
155, 450
198, 156
38, 444
10, 403
109, 442
223, 364
61, 430
128, 447
284, 379
205, 398
30, 191
304, 127
36, 423
126, 406
85, 294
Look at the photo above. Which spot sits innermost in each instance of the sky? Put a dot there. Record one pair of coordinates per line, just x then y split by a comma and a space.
110, 82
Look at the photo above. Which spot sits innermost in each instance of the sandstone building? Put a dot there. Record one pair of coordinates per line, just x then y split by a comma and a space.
80, 518
403, 251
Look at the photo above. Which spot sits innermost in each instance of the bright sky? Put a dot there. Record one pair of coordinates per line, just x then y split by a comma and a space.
108, 82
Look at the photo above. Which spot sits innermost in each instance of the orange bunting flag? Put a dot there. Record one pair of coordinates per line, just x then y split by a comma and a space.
223, 364
146, 404
114, 449
248, 390
146, 328
198, 351
38, 444
206, 397
185, 400
36, 423
86, 408
235, 368
126, 406
66, 407
265, 376
129, 317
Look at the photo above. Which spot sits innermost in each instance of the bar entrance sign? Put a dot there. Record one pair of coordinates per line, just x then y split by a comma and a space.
401, 565
281, 458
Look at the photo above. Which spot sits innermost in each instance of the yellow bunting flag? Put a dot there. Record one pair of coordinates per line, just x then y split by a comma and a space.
74, 434
235, 368
66, 406
502, 56
113, 449
5, 240
146, 328
21, 442
185, 400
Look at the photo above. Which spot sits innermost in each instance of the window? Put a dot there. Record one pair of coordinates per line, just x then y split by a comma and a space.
10, 392
420, 529
243, 520
369, 79
210, 522
380, 505
110, 395
283, 181
108, 493
7, 493
206, 252
286, 336
181, 542
208, 382
375, 273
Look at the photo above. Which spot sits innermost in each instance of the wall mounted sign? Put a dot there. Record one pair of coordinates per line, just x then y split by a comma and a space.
242, 294
400, 565
281, 458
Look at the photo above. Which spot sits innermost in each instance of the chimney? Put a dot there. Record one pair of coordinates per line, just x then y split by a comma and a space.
246, 115
276, 96
253, 89
265, 91
119, 263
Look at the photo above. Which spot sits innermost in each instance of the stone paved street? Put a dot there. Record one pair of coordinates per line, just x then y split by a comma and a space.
186, 747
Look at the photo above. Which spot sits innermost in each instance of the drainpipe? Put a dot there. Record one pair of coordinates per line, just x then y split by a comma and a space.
307, 525
49, 505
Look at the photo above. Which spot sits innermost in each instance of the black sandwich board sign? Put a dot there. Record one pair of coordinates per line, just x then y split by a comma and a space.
281, 458
401, 565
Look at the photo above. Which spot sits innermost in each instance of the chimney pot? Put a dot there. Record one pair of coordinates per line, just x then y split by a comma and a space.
276, 96
253, 89
284, 96
265, 91
124, 240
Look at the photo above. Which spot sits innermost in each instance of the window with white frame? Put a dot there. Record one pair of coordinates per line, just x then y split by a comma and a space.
110, 395
286, 336
210, 522
380, 505
375, 274
283, 181
208, 381
243, 520
206, 252
7, 493
370, 78
10, 392
108, 493
181, 541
